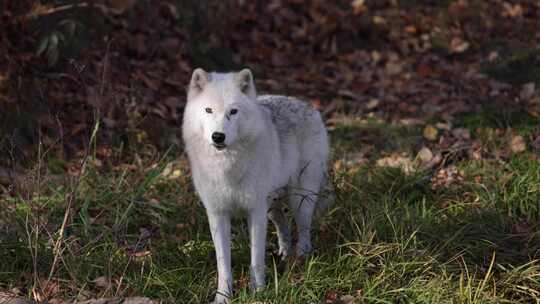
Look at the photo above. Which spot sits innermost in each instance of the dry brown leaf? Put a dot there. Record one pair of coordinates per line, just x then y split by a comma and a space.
358, 6
412, 121
461, 133
372, 103
493, 56
512, 10
517, 144
397, 161
102, 282
527, 91
411, 29
427, 159
446, 177
536, 143
458, 45
347, 299
379, 20
376, 56
393, 68
431, 133
425, 155
444, 126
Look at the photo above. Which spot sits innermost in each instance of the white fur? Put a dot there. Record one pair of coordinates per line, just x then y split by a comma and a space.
275, 145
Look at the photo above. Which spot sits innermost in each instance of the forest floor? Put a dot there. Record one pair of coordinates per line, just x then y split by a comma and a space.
434, 116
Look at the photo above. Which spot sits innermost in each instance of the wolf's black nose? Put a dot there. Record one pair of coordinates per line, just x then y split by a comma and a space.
218, 137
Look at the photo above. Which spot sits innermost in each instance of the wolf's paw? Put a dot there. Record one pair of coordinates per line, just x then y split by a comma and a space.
220, 299
285, 247
284, 252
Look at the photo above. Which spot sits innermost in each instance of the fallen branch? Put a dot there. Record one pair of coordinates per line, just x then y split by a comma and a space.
116, 7
8, 298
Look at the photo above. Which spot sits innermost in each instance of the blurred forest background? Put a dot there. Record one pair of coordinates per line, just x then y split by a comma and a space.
66, 63
446, 91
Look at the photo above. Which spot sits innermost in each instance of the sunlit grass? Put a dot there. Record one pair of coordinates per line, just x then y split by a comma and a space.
391, 237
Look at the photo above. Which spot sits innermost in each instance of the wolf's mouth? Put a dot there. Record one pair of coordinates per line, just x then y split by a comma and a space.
220, 146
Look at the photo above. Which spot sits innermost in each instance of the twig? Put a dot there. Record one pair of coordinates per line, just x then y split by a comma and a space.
62, 8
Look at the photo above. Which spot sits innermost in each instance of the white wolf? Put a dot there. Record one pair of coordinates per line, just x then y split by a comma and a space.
246, 151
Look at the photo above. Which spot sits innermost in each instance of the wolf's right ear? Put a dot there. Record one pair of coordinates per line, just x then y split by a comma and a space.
199, 80
245, 82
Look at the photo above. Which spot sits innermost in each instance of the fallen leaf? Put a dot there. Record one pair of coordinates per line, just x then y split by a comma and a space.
142, 254
527, 91
372, 103
412, 121
446, 177
355, 160
393, 68
517, 144
425, 155
102, 282
533, 106
430, 132
536, 143
397, 161
346, 299
444, 126
427, 159
411, 29
493, 56
378, 20
358, 6
376, 56
512, 10
461, 133
458, 45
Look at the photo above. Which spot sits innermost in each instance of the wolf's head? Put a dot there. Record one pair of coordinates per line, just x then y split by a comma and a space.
220, 108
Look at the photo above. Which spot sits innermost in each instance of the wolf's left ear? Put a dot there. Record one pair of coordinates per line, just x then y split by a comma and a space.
245, 82
199, 80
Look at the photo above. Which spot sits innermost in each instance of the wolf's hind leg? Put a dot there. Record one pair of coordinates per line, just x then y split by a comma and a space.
303, 204
279, 219
302, 201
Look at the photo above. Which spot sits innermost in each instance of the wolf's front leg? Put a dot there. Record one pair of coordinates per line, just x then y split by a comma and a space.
220, 228
257, 222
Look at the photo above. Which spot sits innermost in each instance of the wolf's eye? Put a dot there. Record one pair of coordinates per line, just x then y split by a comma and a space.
234, 111
208, 110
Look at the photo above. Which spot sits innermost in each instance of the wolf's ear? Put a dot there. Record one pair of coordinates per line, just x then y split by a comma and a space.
199, 80
245, 82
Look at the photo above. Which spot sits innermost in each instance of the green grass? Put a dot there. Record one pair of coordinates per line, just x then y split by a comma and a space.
379, 136
390, 237
501, 117
520, 67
